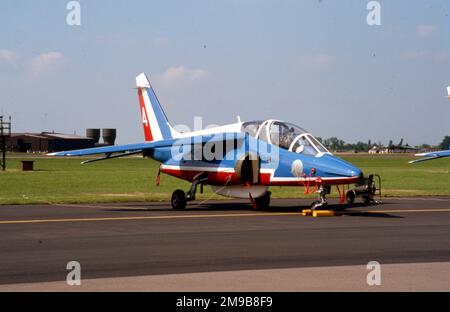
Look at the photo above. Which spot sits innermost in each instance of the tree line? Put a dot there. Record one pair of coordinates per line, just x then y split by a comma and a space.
336, 144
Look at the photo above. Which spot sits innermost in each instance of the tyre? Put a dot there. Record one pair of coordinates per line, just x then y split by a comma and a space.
314, 205
178, 200
318, 204
350, 197
263, 202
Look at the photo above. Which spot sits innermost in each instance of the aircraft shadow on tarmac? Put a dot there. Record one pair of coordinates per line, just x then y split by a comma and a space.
339, 209
343, 210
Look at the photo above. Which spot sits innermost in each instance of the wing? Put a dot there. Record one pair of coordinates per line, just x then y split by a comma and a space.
430, 156
109, 151
137, 148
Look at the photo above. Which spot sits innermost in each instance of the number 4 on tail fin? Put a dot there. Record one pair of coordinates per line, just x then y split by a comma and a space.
154, 120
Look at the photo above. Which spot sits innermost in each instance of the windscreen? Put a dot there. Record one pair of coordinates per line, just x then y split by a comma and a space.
308, 145
317, 144
304, 146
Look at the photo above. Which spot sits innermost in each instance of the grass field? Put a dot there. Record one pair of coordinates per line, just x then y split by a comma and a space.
64, 180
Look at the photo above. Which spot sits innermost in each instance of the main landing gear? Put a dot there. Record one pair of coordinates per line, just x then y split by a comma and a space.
180, 198
263, 202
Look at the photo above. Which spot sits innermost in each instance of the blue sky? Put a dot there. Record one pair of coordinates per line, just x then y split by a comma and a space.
314, 63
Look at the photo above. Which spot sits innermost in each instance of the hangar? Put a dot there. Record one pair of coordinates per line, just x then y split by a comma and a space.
48, 142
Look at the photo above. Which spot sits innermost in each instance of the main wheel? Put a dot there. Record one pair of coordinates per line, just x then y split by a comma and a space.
178, 200
263, 202
350, 197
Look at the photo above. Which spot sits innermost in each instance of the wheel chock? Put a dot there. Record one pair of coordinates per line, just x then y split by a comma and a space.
306, 212
323, 213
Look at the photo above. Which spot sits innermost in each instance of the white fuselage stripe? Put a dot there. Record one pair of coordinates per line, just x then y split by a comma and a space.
195, 168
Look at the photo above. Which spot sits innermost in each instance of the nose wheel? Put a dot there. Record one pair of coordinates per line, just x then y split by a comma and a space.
322, 202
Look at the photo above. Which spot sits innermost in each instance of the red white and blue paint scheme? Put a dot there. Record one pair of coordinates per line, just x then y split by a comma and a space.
238, 160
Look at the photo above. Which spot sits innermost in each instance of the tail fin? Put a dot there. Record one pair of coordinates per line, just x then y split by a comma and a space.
154, 120
448, 92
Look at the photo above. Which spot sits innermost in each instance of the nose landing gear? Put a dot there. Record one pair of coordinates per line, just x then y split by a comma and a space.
322, 202
367, 189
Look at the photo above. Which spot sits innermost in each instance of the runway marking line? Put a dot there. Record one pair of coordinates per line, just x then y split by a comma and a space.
149, 217
208, 216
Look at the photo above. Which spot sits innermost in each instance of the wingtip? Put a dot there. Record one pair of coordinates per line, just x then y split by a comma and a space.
59, 154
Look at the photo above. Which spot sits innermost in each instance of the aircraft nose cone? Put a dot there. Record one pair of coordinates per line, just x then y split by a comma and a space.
334, 166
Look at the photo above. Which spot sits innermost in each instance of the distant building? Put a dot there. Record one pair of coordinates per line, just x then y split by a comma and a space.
47, 142
374, 150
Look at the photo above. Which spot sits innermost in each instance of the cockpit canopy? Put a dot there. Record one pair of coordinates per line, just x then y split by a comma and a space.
285, 135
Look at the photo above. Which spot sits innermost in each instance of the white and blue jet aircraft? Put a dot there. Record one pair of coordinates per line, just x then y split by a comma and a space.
239, 160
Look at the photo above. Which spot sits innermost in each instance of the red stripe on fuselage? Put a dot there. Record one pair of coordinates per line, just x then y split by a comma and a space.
144, 116
214, 178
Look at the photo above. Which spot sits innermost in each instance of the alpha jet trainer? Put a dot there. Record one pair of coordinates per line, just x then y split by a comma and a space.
238, 160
